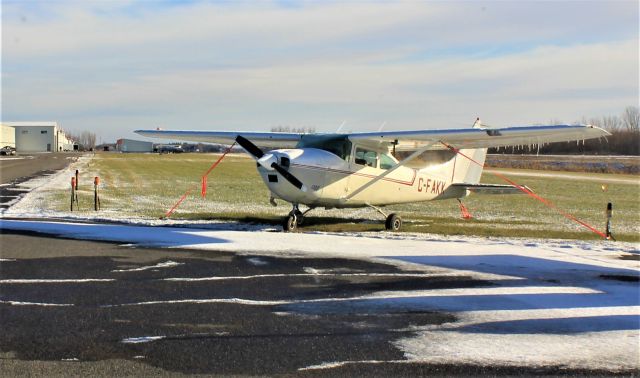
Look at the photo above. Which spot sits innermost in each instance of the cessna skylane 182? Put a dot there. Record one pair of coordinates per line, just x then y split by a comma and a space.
361, 169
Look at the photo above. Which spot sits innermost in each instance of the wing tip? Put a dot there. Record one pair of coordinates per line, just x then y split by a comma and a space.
602, 131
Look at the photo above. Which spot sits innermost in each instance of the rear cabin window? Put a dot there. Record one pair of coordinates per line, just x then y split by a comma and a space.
366, 157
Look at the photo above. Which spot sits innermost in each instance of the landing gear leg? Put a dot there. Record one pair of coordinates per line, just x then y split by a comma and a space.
393, 221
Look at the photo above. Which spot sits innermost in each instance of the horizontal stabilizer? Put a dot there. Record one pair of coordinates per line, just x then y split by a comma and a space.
491, 188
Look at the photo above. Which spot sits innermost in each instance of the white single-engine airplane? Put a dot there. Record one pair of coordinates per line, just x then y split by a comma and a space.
361, 170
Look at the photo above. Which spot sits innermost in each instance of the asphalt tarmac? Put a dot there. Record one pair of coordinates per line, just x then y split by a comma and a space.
71, 307
29, 165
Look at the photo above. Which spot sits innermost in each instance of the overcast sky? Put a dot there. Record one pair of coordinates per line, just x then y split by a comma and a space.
116, 66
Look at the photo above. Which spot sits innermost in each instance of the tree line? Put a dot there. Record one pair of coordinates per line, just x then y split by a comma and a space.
624, 138
288, 129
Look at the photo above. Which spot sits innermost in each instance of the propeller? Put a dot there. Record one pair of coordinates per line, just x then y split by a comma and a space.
249, 147
269, 161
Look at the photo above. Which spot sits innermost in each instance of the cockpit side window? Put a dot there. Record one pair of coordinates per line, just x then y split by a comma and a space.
366, 157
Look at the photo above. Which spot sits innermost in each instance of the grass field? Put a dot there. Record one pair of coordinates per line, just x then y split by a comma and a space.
147, 185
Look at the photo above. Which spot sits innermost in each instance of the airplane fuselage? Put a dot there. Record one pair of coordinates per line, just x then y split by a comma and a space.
333, 182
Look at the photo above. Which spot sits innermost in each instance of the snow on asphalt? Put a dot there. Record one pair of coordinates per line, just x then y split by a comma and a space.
555, 302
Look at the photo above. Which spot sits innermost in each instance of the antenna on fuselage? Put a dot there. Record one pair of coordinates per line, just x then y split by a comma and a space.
341, 125
382, 126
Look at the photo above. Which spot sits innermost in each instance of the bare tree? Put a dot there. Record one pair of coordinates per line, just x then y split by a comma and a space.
86, 139
611, 123
91, 139
631, 118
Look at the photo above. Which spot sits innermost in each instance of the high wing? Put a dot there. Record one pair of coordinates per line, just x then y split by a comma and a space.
227, 137
404, 140
484, 137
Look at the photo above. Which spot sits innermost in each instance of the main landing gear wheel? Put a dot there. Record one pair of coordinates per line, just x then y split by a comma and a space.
393, 222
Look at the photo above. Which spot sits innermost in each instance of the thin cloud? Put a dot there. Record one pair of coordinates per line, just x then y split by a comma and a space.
255, 65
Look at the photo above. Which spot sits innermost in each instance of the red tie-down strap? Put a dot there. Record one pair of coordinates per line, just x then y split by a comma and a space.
204, 183
531, 194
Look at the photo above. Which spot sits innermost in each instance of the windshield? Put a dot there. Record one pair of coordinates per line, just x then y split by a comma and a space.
337, 145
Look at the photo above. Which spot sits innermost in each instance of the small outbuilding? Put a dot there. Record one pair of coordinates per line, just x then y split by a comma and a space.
131, 145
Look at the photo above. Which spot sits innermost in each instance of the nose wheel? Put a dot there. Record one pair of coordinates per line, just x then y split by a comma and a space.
294, 219
290, 223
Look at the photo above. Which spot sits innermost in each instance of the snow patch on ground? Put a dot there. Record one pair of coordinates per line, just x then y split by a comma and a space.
249, 302
309, 274
257, 261
38, 281
17, 303
166, 264
141, 340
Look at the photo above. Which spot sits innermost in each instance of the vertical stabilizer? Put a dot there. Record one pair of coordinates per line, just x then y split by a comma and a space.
467, 171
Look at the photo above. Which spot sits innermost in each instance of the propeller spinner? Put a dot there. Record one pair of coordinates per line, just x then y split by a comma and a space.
269, 161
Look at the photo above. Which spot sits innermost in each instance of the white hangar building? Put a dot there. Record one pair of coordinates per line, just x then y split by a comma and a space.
38, 136
7, 136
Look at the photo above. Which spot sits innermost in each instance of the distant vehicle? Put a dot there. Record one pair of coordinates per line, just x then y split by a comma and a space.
361, 170
166, 149
7, 150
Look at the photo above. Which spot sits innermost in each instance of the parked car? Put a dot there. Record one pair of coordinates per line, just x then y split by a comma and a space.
7, 150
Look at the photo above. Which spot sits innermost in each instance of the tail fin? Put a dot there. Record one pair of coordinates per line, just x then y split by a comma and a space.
465, 170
